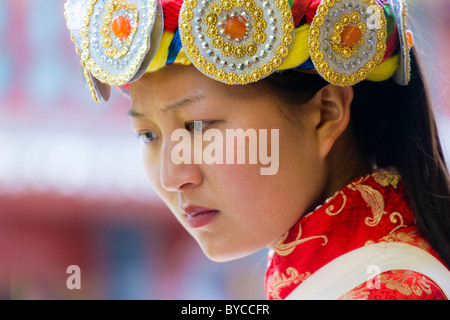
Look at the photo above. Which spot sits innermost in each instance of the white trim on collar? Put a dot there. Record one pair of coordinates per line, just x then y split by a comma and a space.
348, 271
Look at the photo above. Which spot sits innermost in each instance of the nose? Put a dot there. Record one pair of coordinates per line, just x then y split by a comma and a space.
177, 177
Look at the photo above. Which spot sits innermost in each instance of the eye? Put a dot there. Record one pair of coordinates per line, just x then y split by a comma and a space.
148, 137
197, 125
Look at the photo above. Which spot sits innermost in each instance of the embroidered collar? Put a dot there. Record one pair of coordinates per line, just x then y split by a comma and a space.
370, 209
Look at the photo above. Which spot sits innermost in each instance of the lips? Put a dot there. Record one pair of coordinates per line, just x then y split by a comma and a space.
199, 216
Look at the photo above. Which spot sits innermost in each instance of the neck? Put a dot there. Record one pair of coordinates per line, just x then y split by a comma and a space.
344, 164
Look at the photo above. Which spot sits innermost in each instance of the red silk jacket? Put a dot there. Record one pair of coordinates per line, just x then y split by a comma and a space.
371, 209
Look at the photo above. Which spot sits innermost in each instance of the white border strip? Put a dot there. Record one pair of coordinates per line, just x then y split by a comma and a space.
350, 270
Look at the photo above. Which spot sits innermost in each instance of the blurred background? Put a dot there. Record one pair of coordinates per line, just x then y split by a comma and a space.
72, 187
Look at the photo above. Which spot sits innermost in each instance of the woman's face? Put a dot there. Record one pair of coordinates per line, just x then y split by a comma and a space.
231, 209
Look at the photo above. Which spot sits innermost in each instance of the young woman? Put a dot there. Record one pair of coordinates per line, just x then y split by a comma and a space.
354, 198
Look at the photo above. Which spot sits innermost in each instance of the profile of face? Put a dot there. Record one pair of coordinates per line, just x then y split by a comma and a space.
231, 209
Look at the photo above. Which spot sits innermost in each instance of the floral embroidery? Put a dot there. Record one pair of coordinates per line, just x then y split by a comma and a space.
387, 178
410, 236
359, 293
374, 200
283, 249
398, 285
407, 282
370, 209
393, 218
280, 281
330, 209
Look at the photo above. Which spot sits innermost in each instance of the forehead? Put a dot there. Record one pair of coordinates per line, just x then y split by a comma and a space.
170, 81
172, 77
175, 82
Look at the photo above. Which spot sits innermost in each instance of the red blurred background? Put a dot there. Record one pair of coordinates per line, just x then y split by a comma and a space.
72, 187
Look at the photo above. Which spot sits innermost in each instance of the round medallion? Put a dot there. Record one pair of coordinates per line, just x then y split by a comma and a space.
113, 36
236, 41
347, 40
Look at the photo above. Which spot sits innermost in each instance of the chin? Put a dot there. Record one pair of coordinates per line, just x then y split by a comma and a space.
221, 254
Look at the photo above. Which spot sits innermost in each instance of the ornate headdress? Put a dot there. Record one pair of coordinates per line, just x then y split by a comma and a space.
240, 41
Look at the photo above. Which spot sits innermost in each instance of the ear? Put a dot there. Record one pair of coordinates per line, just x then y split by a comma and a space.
333, 104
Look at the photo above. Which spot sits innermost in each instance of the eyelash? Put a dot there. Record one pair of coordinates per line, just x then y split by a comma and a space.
145, 138
188, 126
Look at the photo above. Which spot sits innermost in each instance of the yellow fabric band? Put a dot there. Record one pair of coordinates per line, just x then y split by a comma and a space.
298, 54
385, 70
160, 58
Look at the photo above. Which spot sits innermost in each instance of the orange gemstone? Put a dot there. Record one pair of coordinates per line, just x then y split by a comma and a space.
121, 27
351, 36
410, 37
234, 27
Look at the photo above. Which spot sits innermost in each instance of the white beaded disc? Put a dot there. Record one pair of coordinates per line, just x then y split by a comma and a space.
105, 57
334, 61
258, 52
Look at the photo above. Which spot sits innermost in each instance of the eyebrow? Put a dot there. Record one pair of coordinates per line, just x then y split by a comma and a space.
174, 106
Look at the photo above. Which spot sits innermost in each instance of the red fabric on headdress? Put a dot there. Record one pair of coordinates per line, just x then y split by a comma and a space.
171, 11
391, 44
299, 9
311, 12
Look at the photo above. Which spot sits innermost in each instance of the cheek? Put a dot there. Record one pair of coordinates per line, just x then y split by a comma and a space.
279, 199
252, 201
256, 210
233, 181
152, 166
